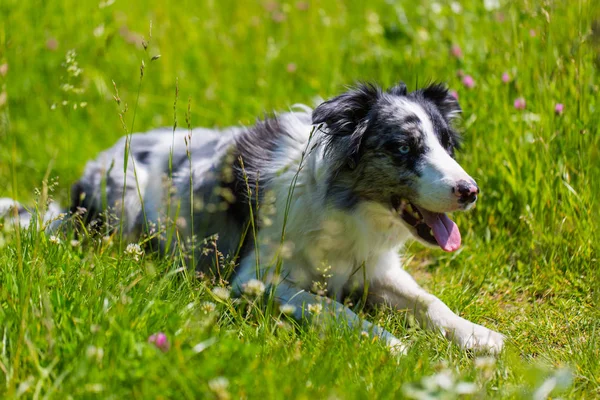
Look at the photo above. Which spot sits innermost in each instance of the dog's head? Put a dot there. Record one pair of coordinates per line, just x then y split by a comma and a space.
397, 148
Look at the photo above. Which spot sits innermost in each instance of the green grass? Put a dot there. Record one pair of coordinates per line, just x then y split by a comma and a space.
75, 320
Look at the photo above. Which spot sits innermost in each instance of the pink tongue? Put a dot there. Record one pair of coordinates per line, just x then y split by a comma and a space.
445, 231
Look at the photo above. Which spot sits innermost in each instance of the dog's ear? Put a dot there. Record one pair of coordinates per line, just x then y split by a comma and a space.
398, 90
439, 95
346, 117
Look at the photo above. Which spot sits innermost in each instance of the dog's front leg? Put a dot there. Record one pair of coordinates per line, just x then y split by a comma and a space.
307, 306
393, 286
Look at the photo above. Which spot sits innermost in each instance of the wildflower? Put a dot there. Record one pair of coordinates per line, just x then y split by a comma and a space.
302, 5
271, 6
254, 287
286, 250
532, 33
443, 380
134, 250
291, 68
491, 5
278, 17
560, 379
94, 387
99, 30
520, 103
456, 51
219, 387
468, 81
505, 77
52, 44
208, 307
106, 3
94, 353
3, 69
454, 94
54, 239
160, 341
486, 365
315, 308
559, 108
456, 7
75, 243
443, 385
283, 325
463, 388
287, 309
221, 293
484, 362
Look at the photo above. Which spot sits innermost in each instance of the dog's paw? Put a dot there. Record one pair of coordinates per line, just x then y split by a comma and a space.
478, 338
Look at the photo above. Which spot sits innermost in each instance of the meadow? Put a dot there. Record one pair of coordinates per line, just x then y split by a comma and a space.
92, 318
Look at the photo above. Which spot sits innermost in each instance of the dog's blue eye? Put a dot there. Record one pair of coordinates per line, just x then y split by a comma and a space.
404, 149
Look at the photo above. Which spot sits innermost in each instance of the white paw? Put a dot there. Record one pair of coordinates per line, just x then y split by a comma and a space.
470, 336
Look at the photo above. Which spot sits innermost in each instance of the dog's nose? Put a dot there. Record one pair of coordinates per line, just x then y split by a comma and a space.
466, 191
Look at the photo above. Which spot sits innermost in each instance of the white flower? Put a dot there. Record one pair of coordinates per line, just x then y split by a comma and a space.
219, 387
456, 7
134, 250
444, 385
287, 309
491, 5
315, 308
75, 243
443, 380
221, 293
94, 353
208, 307
486, 365
485, 362
465, 388
254, 288
54, 239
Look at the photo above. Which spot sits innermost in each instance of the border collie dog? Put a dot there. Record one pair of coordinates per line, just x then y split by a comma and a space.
315, 203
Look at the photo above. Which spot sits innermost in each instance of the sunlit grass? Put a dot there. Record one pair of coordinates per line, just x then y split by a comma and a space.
75, 317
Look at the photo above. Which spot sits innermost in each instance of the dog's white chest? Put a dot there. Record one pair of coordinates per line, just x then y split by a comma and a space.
345, 246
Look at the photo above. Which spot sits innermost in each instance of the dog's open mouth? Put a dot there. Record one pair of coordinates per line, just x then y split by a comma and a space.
435, 228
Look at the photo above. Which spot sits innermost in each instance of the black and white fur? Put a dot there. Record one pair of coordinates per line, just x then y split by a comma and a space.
330, 179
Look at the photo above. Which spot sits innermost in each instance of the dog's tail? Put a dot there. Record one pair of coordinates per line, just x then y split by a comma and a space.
14, 212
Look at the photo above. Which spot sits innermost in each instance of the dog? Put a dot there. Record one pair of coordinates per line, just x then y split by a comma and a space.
315, 203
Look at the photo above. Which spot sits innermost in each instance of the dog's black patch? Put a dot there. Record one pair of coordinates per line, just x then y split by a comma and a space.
347, 121
254, 150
